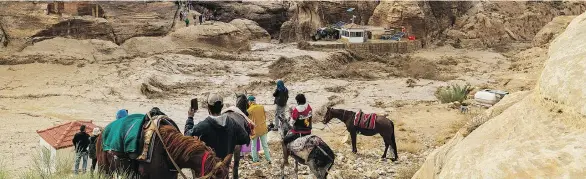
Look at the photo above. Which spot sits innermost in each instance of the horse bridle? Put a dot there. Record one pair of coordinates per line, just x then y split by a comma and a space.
326, 125
167, 150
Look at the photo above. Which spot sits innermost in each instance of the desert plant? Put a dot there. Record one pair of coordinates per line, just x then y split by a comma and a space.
63, 163
453, 93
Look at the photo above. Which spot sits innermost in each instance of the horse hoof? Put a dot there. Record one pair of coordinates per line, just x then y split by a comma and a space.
394, 159
354, 152
383, 159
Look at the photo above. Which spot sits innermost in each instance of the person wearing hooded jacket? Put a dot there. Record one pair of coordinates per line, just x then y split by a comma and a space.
301, 120
218, 131
281, 95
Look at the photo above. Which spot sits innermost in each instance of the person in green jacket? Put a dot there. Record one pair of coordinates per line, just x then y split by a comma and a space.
186, 22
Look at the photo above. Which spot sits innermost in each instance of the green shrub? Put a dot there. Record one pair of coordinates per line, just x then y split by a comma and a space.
453, 93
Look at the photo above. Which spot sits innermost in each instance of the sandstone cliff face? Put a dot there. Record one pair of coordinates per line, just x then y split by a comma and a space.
491, 24
269, 15
472, 24
29, 22
540, 136
551, 30
251, 29
307, 16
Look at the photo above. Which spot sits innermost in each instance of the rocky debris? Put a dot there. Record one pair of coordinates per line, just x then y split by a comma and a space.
551, 30
270, 15
514, 126
251, 29
307, 16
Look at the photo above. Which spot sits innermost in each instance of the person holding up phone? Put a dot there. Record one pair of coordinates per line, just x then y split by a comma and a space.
192, 110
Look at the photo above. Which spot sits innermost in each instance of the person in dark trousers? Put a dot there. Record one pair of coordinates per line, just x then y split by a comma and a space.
281, 95
301, 118
219, 132
81, 141
92, 149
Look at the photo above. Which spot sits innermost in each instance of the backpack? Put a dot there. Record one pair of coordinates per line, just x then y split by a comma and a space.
92, 147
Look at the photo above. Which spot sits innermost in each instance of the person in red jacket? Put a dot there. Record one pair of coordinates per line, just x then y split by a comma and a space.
301, 118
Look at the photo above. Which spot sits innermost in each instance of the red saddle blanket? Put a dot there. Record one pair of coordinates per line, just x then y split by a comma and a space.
365, 121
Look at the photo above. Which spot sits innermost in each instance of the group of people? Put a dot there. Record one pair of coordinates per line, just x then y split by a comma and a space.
221, 132
85, 145
205, 15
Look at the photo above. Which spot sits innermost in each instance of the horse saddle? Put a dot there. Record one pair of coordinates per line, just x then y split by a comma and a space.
149, 133
365, 121
302, 147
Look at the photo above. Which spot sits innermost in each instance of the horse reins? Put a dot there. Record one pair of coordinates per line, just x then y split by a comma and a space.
166, 150
326, 125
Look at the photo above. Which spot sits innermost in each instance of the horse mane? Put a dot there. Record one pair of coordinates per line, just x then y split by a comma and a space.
183, 149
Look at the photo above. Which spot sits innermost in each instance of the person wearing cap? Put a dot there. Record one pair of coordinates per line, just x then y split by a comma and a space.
301, 120
258, 116
281, 95
218, 131
92, 149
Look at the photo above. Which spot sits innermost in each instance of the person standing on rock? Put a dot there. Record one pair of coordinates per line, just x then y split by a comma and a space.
258, 115
281, 95
81, 141
218, 131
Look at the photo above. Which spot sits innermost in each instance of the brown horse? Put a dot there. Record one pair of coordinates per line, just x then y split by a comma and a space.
384, 127
187, 152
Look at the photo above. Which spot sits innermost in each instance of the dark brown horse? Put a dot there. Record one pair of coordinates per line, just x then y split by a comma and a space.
383, 126
187, 152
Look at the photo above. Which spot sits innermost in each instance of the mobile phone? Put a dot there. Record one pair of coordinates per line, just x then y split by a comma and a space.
194, 104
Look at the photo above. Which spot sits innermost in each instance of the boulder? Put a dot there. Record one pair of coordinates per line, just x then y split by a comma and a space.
562, 79
537, 134
251, 28
220, 35
551, 30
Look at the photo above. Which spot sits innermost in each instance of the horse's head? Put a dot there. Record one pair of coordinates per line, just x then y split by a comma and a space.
242, 101
328, 117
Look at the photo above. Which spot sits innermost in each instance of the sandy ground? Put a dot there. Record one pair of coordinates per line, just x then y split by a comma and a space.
37, 96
